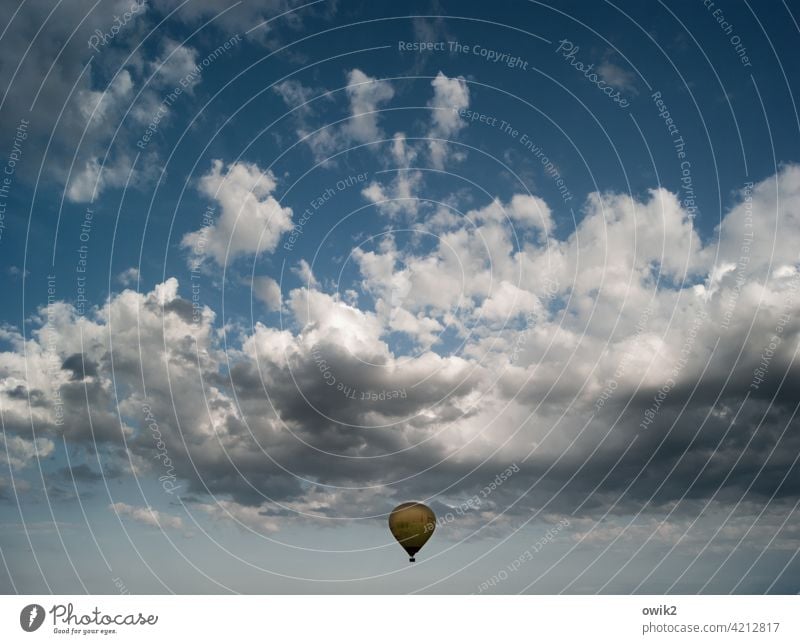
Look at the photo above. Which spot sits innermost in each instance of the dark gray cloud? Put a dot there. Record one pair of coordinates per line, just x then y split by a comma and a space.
79, 366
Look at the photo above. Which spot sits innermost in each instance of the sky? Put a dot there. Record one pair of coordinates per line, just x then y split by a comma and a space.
271, 268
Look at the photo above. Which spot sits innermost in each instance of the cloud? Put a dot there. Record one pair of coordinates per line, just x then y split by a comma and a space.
617, 77
508, 301
87, 184
271, 418
147, 516
103, 106
399, 196
129, 276
304, 272
523, 211
402, 153
81, 473
16, 272
450, 95
251, 518
365, 95
106, 98
232, 16
9, 490
177, 63
295, 95
250, 221
100, 111
44, 51
268, 291
226, 438
18, 453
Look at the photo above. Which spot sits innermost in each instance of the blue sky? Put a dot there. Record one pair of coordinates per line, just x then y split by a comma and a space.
271, 268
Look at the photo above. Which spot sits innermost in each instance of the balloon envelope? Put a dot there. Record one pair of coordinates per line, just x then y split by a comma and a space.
412, 524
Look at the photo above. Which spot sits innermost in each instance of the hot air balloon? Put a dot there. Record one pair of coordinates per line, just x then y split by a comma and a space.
412, 524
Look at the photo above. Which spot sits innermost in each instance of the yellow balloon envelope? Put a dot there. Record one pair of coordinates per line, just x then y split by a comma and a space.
412, 524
